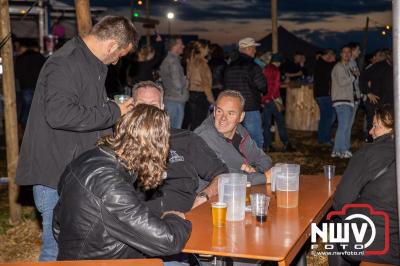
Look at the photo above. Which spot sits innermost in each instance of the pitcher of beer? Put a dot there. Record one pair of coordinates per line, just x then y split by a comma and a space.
287, 186
232, 191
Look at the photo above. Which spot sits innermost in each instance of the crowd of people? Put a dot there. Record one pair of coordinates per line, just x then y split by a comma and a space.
114, 180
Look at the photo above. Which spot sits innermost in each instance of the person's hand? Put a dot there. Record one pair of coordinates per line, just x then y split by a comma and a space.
212, 188
247, 168
180, 214
158, 38
126, 106
268, 175
198, 201
373, 98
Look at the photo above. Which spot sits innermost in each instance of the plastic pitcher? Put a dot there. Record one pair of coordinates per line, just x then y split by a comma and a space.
232, 191
287, 185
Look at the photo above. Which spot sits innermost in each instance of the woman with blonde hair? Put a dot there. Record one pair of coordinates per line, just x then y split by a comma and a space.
99, 214
200, 82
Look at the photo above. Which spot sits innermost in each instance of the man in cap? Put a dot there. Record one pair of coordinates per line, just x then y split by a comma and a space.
245, 76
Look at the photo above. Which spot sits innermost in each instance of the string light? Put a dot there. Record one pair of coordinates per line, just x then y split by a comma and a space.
140, 3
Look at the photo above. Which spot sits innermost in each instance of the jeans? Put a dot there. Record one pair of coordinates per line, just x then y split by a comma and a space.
269, 112
327, 118
45, 200
252, 122
176, 111
343, 133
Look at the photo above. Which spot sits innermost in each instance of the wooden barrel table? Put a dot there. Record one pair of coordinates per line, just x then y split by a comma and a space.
302, 111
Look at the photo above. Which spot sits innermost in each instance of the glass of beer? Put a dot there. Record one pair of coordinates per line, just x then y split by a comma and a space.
248, 189
121, 98
287, 186
219, 213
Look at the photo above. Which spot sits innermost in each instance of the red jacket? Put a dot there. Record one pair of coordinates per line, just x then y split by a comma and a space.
273, 76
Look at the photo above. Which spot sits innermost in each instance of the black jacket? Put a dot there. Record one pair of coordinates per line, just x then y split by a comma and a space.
190, 162
99, 215
322, 78
217, 67
380, 76
356, 187
245, 76
70, 111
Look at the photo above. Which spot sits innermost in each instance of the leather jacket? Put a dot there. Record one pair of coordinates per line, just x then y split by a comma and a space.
99, 215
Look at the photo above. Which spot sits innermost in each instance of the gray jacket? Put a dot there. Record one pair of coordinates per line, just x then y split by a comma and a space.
173, 79
342, 84
230, 156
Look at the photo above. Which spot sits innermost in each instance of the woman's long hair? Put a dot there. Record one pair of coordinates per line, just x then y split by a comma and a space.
141, 141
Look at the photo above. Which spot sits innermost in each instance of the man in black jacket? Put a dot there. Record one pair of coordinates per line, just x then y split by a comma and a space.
322, 93
69, 112
192, 165
245, 76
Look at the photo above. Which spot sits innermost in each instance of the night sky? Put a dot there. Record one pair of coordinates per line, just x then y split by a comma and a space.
326, 23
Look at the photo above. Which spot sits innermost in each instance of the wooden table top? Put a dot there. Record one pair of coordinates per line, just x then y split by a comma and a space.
278, 239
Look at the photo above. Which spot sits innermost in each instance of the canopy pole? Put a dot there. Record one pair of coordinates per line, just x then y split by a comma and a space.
396, 76
274, 18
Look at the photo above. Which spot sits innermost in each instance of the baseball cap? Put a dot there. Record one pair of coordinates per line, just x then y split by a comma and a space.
247, 42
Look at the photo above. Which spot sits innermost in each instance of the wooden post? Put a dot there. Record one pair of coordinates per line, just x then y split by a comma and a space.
10, 113
83, 17
364, 45
274, 18
148, 16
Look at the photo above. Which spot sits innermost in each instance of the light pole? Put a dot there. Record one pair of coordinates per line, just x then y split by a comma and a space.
170, 17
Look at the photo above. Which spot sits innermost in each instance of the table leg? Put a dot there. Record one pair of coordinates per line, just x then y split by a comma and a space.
282, 263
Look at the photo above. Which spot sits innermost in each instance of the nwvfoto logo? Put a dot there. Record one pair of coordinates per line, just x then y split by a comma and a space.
339, 232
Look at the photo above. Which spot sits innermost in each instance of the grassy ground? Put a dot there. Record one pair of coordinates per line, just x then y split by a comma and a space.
22, 242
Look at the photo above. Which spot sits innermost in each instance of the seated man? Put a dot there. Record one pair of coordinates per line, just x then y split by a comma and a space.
191, 166
230, 140
99, 214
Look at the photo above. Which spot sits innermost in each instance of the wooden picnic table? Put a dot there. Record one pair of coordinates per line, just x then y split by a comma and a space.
279, 239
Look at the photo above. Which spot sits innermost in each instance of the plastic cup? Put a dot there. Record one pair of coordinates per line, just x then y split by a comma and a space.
329, 171
259, 206
287, 186
121, 98
219, 213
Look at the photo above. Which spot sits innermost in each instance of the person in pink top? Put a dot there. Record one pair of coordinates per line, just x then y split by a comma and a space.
273, 105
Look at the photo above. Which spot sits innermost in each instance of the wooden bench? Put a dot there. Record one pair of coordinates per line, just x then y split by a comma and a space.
366, 263
131, 262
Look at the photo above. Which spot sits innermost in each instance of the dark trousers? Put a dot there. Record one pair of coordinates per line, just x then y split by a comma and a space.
198, 105
327, 118
369, 115
269, 112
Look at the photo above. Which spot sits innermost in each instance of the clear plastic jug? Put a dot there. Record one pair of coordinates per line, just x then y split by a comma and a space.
232, 191
287, 185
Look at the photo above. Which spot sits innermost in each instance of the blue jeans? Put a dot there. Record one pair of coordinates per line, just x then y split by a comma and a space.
327, 118
252, 122
45, 200
176, 112
343, 133
26, 101
269, 112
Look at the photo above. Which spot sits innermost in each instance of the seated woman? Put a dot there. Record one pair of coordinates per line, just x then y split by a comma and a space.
370, 178
99, 214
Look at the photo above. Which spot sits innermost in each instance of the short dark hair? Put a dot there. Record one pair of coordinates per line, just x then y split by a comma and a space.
344, 47
385, 114
353, 45
172, 41
118, 28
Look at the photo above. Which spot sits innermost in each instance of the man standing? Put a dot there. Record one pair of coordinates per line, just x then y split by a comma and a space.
245, 76
224, 134
70, 111
355, 70
174, 82
343, 102
322, 93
